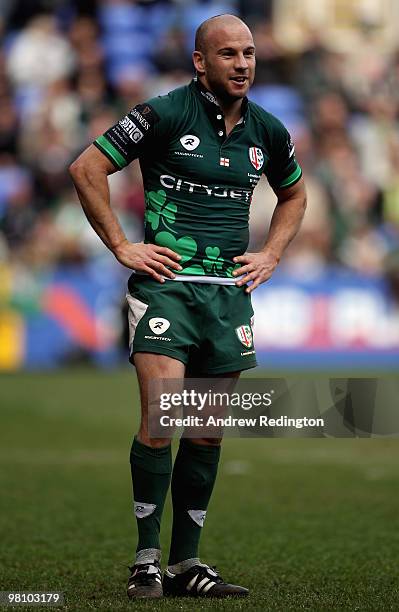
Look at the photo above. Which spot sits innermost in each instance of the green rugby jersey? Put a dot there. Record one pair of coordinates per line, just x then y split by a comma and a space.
198, 182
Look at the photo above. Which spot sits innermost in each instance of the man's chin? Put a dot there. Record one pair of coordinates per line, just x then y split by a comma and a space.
229, 95
238, 92
231, 92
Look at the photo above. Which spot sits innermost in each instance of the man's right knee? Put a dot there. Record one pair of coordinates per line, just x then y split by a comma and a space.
152, 442
154, 365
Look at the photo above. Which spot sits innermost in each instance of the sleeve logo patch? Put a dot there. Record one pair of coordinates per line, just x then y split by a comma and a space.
256, 157
291, 148
190, 142
131, 128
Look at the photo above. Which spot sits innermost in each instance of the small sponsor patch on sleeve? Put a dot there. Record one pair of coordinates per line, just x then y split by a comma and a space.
130, 127
291, 147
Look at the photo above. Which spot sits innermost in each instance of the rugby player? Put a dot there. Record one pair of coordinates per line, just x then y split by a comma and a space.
202, 149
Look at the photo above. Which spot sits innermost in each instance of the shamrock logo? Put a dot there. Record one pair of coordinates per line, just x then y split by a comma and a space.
213, 262
230, 270
158, 208
195, 269
185, 246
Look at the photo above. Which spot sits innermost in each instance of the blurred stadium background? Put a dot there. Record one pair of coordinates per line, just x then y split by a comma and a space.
328, 69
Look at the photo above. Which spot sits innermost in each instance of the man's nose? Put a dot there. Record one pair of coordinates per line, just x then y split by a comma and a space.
241, 62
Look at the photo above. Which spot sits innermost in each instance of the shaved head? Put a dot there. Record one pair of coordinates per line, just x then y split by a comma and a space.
211, 25
224, 57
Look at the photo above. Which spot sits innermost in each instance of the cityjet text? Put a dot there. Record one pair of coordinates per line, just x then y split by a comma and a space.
171, 182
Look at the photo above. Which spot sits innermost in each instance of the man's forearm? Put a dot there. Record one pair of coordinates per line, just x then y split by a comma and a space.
90, 176
93, 191
284, 226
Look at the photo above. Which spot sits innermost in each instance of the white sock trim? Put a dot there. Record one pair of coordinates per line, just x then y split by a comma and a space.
148, 555
183, 566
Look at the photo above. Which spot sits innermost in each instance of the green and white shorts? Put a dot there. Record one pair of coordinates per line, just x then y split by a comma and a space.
208, 327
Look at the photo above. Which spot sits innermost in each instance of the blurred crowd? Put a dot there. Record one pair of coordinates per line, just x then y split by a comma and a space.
70, 69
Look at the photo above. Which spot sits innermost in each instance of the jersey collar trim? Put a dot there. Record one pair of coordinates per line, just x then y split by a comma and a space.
211, 104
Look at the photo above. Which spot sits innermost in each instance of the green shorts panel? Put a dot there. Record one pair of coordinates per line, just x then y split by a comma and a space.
206, 326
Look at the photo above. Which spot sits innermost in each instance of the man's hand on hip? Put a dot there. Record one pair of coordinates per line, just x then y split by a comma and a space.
148, 258
256, 267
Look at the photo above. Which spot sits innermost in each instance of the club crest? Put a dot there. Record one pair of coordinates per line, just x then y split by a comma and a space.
244, 334
256, 157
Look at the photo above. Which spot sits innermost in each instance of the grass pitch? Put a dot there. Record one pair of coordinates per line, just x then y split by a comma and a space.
305, 523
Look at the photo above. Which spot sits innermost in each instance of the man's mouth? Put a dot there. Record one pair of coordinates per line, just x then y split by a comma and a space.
239, 79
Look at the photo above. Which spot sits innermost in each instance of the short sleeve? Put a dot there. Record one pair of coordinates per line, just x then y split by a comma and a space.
282, 170
130, 137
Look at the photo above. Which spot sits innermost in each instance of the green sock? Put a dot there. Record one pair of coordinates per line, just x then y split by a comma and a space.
194, 475
151, 469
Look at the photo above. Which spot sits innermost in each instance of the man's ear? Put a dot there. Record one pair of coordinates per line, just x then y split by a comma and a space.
199, 62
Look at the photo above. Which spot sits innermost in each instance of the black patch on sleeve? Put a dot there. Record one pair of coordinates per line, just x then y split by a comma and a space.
132, 133
282, 156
